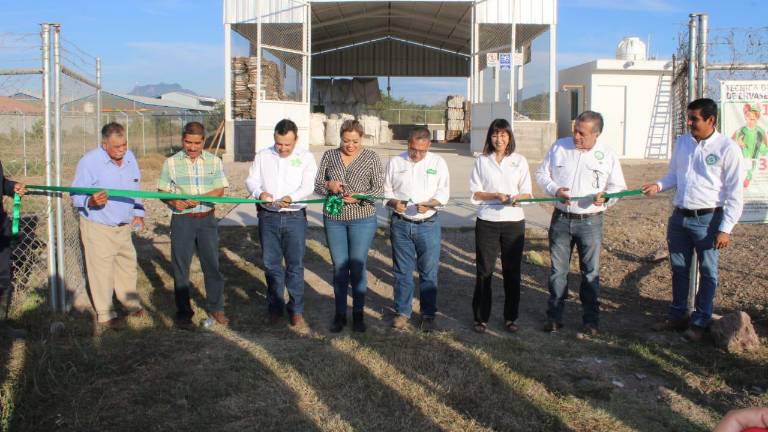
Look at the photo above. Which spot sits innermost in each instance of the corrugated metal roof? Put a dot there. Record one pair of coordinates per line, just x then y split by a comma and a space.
390, 57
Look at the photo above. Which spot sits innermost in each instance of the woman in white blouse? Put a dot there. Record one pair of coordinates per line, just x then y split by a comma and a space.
499, 179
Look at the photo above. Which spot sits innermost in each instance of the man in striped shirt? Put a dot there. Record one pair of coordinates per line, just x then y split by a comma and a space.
194, 171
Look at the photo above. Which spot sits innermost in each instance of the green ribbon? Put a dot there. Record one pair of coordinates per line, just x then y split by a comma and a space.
333, 204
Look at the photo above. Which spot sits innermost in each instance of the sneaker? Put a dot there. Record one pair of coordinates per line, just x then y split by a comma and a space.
428, 324
400, 322
552, 326
694, 334
670, 325
357, 322
339, 321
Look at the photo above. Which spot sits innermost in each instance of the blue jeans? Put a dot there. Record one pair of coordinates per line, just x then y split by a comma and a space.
349, 242
683, 235
587, 236
282, 236
415, 247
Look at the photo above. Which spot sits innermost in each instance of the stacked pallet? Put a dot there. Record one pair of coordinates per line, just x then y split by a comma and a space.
272, 81
241, 93
455, 116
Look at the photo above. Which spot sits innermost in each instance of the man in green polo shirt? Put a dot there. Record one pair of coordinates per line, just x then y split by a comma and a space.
194, 171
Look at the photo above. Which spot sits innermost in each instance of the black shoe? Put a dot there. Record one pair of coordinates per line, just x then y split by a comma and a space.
339, 321
357, 322
184, 323
552, 326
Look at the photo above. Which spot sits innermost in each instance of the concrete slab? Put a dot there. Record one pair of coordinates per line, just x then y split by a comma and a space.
459, 213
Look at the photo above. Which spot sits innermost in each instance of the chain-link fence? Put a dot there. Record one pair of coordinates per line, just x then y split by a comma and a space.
679, 102
734, 47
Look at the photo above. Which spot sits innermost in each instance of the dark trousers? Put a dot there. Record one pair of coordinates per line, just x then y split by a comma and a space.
490, 237
282, 236
201, 235
5, 253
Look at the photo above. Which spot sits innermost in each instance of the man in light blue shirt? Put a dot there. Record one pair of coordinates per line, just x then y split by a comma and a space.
106, 222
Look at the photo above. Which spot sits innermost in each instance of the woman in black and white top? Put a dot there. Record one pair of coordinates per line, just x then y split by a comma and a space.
346, 171
499, 178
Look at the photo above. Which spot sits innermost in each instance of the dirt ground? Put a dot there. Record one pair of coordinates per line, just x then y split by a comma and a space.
258, 377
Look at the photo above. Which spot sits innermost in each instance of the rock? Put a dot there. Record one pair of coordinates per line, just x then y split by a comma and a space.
640, 376
659, 255
617, 383
734, 332
535, 258
57, 328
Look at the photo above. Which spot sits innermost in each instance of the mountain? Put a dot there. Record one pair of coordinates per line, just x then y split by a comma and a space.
155, 90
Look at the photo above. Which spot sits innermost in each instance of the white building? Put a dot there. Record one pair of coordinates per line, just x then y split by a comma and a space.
633, 95
287, 42
195, 102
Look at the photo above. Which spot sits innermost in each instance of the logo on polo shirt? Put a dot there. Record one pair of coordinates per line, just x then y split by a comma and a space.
599, 155
431, 171
296, 162
711, 159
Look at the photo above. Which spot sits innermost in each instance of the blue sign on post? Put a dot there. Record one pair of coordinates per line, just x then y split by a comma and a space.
505, 61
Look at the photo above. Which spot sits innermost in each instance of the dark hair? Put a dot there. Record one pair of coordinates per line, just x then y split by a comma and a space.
351, 126
706, 107
594, 117
284, 126
193, 128
419, 133
499, 125
112, 128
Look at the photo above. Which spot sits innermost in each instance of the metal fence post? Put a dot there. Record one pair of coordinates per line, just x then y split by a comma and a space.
24, 140
98, 99
60, 269
693, 286
53, 283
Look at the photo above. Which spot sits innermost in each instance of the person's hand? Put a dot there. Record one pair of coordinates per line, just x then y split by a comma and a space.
192, 203
99, 199
20, 188
599, 199
266, 196
397, 205
334, 186
180, 205
752, 419
138, 221
517, 198
650, 189
563, 193
349, 199
722, 240
503, 198
423, 207
284, 202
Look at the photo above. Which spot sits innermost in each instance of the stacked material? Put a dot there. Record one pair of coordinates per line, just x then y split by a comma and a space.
317, 129
241, 93
371, 129
385, 133
271, 80
467, 117
332, 129
455, 116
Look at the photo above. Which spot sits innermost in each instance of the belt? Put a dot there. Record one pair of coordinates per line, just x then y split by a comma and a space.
577, 216
697, 212
414, 221
302, 211
197, 215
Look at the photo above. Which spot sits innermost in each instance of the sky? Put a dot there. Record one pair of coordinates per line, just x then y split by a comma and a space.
152, 41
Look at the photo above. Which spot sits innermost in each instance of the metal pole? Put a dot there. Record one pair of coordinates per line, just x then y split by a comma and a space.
53, 283
98, 100
693, 284
60, 268
702, 60
692, 63
143, 140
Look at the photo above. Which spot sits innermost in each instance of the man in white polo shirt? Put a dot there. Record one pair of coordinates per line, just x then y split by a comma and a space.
578, 166
706, 169
419, 183
283, 174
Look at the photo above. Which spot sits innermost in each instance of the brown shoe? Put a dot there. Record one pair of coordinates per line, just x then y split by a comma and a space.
399, 322
670, 325
694, 334
297, 320
219, 317
589, 330
114, 324
139, 313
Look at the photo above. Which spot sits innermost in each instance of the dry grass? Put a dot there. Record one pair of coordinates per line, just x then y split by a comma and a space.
254, 377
